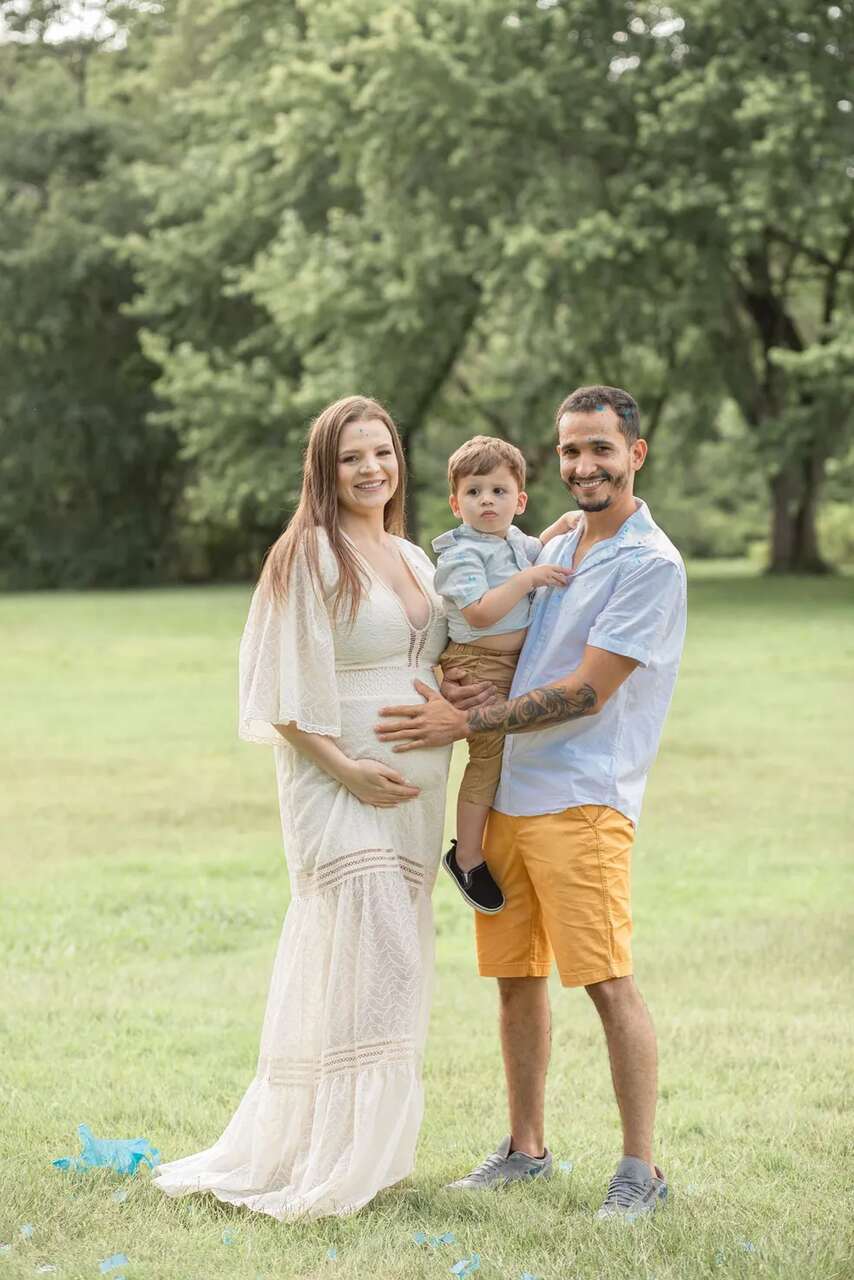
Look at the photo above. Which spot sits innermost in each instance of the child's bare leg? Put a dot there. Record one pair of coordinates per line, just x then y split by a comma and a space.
471, 820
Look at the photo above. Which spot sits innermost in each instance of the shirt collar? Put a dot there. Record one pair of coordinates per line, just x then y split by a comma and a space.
465, 531
635, 531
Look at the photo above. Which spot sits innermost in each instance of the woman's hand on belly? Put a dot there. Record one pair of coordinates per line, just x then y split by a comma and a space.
377, 784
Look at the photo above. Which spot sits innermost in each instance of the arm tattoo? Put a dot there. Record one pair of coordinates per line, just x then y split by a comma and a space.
535, 710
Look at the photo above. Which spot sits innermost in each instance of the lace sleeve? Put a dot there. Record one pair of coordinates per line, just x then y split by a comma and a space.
287, 664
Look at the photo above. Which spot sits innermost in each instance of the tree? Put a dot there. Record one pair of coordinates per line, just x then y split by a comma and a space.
466, 208
88, 485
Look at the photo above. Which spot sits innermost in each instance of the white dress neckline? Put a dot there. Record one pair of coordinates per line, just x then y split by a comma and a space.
390, 589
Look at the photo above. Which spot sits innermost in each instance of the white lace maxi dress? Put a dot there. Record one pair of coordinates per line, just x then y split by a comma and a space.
333, 1113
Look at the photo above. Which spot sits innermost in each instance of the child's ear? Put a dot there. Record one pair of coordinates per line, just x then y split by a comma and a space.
454, 505
521, 502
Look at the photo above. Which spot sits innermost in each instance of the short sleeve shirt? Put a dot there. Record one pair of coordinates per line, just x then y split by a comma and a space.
470, 563
628, 596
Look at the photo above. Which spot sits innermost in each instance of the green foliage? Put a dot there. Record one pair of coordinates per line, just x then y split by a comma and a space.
467, 209
88, 486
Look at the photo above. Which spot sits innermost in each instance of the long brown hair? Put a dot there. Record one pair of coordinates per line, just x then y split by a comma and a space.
318, 507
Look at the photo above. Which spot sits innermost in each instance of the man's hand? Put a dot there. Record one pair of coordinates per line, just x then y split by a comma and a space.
465, 696
435, 723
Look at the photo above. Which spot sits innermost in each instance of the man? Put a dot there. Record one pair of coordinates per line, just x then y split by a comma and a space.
583, 719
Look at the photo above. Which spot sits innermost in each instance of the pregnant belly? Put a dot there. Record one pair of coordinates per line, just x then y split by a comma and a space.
363, 694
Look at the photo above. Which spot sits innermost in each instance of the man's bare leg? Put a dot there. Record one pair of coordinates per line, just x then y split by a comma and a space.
525, 1044
632, 1051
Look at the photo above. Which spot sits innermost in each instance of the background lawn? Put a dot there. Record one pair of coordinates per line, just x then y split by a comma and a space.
143, 889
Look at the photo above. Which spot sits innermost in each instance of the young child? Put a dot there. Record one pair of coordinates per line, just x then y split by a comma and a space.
487, 575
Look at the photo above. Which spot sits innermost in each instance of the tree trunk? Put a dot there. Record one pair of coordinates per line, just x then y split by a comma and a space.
794, 497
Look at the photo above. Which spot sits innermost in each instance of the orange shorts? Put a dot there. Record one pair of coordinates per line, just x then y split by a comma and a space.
566, 883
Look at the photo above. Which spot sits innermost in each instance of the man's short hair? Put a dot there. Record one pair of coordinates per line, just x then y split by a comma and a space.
591, 399
482, 454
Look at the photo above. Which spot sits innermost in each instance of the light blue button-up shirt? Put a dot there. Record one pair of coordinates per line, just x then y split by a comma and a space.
469, 564
627, 596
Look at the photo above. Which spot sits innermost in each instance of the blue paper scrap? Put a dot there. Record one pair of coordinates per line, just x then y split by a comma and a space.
526, 1275
748, 1247
120, 1196
466, 1266
113, 1263
566, 1166
332, 1254
27, 1230
122, 1154
47, 1267
434, 1242
229, 1236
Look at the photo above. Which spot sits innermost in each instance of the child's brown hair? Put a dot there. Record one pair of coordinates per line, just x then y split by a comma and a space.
483, 454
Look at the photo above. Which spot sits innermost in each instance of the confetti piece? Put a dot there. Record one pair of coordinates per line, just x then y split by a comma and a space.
229, 1236
600, 408
113, 1263
466, 1266
566, 1166
27, 1231
120, 1196
4, 1249
434, 1242
47, 1267
720, 1258
747, 1246
332, 1254
122, 1154
527, 1275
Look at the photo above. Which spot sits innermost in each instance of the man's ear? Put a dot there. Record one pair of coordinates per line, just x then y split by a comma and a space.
521, 502
638, 452
454, 505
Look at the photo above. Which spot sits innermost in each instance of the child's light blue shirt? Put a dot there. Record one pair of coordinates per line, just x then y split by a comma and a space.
470, 563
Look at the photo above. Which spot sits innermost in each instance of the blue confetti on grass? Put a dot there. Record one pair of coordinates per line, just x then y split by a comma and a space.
434, 1242
720, 1258
229, 1236
528, 1275
4, 1249
332, 1254
747, 1246
124, 1155
27, 1231
120, 1196
566, 1166
113, 1263
466, 1266
45, 1268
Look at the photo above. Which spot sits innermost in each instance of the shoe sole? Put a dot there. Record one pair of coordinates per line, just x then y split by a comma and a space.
484, 911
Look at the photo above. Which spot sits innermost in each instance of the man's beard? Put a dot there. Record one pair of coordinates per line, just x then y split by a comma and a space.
617, 483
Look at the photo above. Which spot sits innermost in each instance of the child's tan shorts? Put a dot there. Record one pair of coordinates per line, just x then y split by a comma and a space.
484, 767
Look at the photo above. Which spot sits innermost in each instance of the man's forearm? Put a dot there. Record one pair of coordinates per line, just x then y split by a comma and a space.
539, 709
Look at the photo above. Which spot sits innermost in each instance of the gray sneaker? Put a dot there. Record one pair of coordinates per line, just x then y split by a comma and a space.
504, 1166
633, 1190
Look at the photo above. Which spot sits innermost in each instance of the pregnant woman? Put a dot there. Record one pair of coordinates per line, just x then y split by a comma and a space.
343, 620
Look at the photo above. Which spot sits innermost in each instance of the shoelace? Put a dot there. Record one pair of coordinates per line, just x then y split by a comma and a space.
622, 1192
486, 1166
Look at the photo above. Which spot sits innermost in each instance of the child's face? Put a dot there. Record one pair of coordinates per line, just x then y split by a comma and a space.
489, 502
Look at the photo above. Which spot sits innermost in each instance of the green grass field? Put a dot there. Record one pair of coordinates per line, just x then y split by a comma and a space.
143, 888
